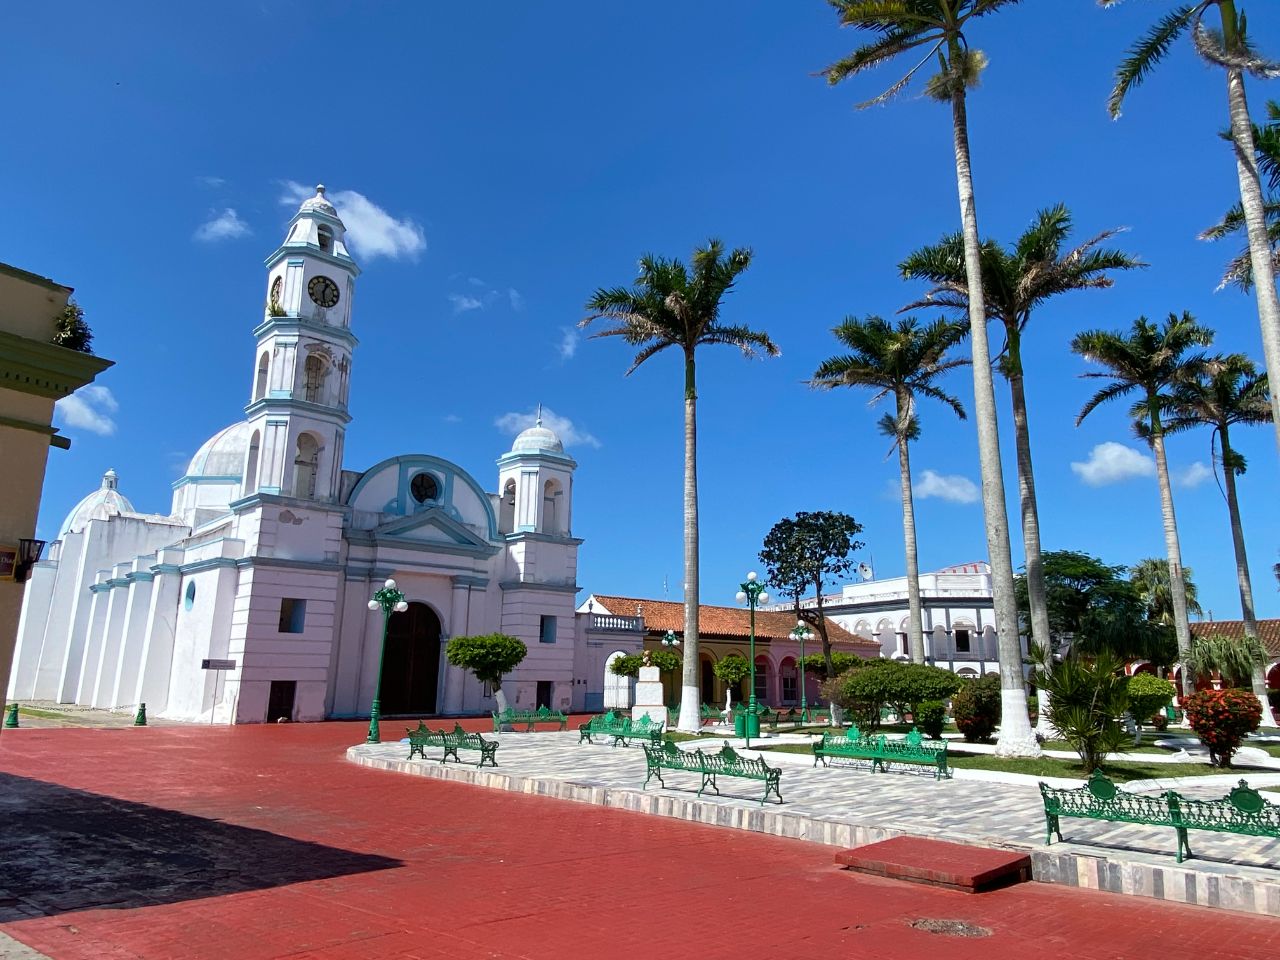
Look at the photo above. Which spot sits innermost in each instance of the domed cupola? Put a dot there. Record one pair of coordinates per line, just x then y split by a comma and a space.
535, 484
537, 439
106, 501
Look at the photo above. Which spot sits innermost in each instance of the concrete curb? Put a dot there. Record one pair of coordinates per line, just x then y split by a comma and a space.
1249, 891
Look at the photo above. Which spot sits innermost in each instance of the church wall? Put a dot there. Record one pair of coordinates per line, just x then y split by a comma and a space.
522, 612
202, 631
133, 643
100, 599
113, 636
157, 653
32, 621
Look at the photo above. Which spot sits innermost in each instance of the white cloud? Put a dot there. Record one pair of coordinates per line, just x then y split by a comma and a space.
211, 182
226, 225
950, 487
517, 301
89, 408
452, 418
1113, 462
476, 282
568, 344
371, 231
462, 303
1193, 475
562, 427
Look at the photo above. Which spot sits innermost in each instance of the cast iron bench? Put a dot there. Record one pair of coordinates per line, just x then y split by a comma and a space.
725, 763
796, 716
511, 716
881, 751
450, 742
706, 713
1242, 811
621, 729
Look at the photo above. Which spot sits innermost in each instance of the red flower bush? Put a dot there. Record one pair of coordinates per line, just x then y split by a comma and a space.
1222, 719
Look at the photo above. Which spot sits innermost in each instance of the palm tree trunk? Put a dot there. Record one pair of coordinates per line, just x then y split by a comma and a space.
1177, 588
1036, 592
1016, 737
690, 693
1264, 279
915, 622
1257, 676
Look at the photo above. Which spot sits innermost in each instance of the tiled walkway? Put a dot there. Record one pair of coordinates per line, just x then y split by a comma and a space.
261, 843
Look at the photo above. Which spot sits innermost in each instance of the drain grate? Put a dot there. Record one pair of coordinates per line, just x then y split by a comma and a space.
950, 928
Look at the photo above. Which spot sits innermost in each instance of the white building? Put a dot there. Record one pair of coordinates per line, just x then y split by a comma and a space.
956, 607
270, 551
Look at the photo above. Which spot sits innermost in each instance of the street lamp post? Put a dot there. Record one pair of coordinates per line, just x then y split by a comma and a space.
800, 634
389, 600
752, 593
670, 641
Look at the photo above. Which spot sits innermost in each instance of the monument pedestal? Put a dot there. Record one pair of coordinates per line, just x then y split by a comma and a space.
649, 697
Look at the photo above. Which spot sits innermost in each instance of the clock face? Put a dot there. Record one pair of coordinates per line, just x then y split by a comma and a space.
323, 291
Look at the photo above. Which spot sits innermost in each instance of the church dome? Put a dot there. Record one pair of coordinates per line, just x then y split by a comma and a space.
319, 203
537, 439
106, 501
223, 454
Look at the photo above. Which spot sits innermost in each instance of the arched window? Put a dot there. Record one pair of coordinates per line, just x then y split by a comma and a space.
264, 367
424, 488
304, 466
325, 235
314, 371
551, 507
250, 483
507, 508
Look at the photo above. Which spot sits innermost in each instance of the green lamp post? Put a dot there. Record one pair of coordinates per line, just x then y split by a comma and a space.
752, 593
800, 634
389, 600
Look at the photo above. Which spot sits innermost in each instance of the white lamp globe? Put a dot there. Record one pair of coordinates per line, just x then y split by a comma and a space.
390, 584
741, 597
752, 576
374, 605
764, 598
402, 606
800, 624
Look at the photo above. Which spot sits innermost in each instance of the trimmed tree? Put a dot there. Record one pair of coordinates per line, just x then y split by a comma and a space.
629, 665
731, 670
1147, 694
489, 657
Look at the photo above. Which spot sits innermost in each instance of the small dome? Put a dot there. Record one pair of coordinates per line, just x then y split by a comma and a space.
106, 501
537, 439
223, 454
319, 203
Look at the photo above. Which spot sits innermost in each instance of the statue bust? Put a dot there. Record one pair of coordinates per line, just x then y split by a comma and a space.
645, 659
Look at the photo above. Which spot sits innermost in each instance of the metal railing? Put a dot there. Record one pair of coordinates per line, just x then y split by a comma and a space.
607, 621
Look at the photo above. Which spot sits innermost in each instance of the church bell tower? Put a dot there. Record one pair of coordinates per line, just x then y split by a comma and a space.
297, 410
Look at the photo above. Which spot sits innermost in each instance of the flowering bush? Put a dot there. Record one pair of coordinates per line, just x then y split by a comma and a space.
1222, 719
976, 707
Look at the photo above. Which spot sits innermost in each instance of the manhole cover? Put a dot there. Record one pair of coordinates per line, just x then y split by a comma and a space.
950, 928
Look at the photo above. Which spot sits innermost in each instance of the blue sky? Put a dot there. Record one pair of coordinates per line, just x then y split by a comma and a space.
504, 162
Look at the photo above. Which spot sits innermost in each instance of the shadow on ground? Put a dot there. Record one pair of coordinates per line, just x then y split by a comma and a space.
65, 850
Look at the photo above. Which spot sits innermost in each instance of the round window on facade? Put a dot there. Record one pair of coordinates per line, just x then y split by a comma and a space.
189, 600
424, 488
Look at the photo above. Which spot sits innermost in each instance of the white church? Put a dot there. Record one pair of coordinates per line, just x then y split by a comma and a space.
271, 551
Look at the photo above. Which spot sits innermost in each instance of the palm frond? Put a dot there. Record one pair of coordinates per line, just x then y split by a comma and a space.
1150, 49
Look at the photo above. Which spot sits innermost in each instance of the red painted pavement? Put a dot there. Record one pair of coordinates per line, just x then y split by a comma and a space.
262, 842
938, 862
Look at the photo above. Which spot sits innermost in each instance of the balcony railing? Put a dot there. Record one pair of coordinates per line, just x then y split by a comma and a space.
607, 621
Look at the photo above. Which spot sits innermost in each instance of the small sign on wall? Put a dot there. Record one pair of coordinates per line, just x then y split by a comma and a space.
8, 560
217, 664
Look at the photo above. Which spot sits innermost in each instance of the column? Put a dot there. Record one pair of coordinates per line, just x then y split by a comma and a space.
455, 678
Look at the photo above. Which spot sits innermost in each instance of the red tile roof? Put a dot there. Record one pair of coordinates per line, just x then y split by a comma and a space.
728, 622
1268, 632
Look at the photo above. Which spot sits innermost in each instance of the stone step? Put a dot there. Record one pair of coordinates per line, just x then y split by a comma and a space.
938, 863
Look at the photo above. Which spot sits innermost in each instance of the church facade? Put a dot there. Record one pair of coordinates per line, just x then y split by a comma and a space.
271, 551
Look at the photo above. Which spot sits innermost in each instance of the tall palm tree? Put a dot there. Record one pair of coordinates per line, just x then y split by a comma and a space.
1016, 281
1150, 360
1150, 578
938, 28
1239, 270
1228, 392
1228, 47
902, 361
671, 305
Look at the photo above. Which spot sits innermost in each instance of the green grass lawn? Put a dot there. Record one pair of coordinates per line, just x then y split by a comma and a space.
43, 714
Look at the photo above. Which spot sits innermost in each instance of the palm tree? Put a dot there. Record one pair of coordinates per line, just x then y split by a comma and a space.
671, 305
938, 27
1016, 281
904, 361
1229, 392
1239, 270
1228, 47
1150, 578
1150, 360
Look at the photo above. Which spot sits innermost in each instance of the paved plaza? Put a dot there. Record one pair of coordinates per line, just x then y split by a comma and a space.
264, 842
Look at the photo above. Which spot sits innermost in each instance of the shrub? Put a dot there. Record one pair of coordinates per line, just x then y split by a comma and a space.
931, 717
70, 330
732, 670
488, 657
1222, 719
864, 713
1087, 697
1147, 694
900, 686
842, 663
1033, 706
1160, 722
976, 707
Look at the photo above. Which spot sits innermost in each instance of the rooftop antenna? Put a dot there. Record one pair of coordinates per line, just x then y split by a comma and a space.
539, 420
665, 592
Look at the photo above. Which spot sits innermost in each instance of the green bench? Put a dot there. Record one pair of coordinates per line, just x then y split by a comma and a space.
817, 715
726, 763
1242, 811
511, 716
450, 742
621, 728
707, 714
882, 751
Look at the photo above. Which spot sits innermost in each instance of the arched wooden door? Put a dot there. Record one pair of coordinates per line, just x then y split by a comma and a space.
411, 664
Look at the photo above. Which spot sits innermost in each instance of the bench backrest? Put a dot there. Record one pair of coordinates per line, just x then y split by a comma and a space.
1100, 797
1241, 809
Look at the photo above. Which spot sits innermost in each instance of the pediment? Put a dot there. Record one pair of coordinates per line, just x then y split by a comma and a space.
432, 526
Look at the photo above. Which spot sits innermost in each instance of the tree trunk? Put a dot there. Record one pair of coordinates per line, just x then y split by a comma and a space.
500, 696
1264, 279
1177, 588
1257, 676
821, 623
690, 694
915, 621
1036, 598
1016, 737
